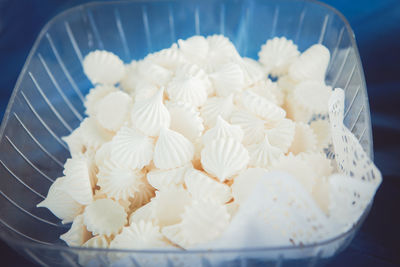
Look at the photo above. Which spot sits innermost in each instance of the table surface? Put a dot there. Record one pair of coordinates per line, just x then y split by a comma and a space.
377, 28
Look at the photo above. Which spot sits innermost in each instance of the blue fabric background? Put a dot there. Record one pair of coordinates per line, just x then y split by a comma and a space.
377, 28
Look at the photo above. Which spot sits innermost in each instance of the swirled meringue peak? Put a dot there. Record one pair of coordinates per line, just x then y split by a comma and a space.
223, 129
277, 54
224, 157
311, 64
189, 85
172, 150
150, 115
132, 149
103, 67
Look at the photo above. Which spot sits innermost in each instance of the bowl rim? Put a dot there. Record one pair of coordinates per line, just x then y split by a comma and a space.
61, 247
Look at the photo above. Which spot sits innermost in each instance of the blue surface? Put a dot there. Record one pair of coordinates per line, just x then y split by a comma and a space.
377, 28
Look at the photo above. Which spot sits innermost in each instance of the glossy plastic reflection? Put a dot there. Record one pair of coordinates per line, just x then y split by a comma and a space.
47, 103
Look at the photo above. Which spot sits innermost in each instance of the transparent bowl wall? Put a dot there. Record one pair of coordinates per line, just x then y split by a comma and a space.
47, 103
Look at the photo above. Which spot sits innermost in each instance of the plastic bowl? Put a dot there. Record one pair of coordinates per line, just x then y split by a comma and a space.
47, 103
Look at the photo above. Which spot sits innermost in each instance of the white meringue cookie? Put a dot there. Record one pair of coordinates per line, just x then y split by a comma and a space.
223, 129
77, 234
221, 51
252, 126
202, 187
90, 134
132, 149
228, 79
140, 235
194, 49
217, 106
304, 139
119, 182
78, 182
60, 203
113, 109
104, 217
169, 205
311, 64
312, 96
74, 142
103, 67
186, 120
150, 115
144, 213
95, 95
169, 58
253, 71
286, 83
269, 90
296, 112
165, 179
277, 54
224, 158
261, 107
263, 154
154, 73
202, 222
103, 153
189, 85
172, 150
281, 134
322, 130
320, 163
145, 90
131, 77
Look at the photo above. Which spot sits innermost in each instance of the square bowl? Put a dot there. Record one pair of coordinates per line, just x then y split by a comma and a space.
47, 103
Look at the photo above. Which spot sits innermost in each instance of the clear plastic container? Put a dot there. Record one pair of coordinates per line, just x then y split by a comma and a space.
47, 104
